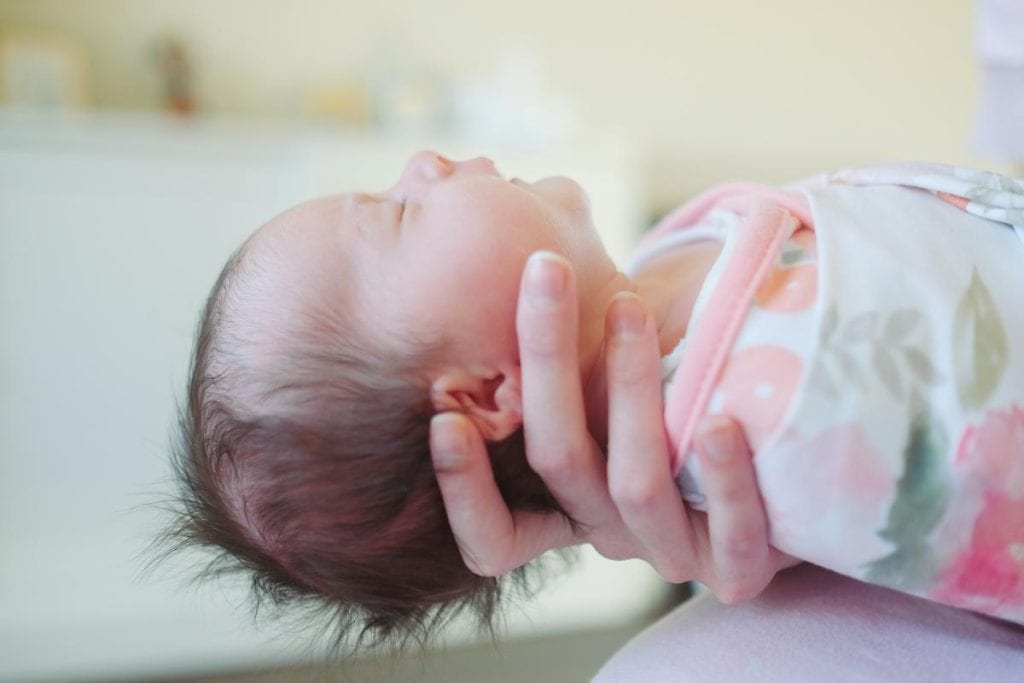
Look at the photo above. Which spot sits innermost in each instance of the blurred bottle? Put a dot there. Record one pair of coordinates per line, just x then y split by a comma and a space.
410, 101
174, 64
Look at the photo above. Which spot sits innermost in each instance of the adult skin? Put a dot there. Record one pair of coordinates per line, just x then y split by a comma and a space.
626, 503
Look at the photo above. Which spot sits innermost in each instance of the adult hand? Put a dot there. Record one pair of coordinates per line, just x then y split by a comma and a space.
626, 505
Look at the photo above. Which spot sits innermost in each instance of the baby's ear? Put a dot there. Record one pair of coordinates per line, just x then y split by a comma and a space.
491, 398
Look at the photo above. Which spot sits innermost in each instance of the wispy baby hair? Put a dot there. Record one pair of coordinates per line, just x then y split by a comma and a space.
303, 459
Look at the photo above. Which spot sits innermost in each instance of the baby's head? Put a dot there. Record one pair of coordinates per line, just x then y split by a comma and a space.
331, 338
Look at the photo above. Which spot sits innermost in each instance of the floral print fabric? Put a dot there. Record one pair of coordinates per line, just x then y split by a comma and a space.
879, 375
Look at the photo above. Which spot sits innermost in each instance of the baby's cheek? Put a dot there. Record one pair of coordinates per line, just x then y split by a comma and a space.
756, 388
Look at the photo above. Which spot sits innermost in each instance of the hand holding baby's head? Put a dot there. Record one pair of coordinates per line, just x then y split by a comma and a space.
330, 339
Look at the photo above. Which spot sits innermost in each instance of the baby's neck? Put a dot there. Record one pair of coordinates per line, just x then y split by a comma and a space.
669, 285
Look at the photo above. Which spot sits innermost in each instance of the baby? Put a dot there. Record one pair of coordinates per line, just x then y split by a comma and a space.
330, 339
341, 327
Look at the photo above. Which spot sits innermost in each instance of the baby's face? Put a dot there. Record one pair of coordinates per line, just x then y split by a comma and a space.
442, 251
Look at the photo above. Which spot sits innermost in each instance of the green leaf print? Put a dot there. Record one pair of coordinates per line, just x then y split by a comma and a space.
887, 370
872, 345
901, 323
860, 328
847, 364
979, 345
922, 496
921, 366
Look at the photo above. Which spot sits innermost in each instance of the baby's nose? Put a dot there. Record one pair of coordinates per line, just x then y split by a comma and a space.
429, 165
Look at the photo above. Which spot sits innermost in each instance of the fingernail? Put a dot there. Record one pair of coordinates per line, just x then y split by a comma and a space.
546, 278
627, 316
717, 440
447, 440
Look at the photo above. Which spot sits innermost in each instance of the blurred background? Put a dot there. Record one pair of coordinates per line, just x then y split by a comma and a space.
142, 140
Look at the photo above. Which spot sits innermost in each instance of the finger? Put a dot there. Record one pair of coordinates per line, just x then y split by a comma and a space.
737, 520
492, 539
639, 469
558, 445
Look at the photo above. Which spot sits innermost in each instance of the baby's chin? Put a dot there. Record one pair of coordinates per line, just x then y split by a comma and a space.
561, 190
557, 184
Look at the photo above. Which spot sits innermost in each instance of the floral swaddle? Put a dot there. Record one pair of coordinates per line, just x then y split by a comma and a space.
866, 328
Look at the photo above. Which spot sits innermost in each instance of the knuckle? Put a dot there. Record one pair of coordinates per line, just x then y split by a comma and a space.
675, 572
633, 495
630, 370
744, 546
555, 473
558, 471
612, 539
613, 551
732, 490
546, 342
450, 463
730, 494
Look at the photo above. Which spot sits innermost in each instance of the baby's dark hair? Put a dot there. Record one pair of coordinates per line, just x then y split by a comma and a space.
307, 464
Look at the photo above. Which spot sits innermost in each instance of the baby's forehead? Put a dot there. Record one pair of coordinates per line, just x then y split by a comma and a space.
303, 252
311, 236
312, 220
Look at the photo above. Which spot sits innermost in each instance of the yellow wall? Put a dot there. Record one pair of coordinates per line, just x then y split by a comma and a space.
711, 90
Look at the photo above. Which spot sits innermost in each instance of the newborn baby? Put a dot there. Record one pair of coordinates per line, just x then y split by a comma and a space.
341, 327
332, 337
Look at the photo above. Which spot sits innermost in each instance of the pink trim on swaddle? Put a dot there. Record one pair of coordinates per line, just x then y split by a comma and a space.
768, 216
725, 196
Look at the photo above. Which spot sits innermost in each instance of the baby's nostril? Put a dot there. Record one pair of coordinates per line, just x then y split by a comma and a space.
445, 163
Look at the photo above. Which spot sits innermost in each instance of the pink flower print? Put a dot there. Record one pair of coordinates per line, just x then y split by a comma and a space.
757, 386
787, 290
995, 450
990, 573
812, 487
